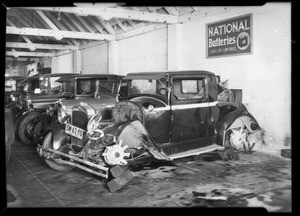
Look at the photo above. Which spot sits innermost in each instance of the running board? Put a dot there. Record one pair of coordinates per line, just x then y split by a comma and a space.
198, 151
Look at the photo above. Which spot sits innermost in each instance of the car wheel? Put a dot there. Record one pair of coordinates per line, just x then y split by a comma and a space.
238, 139
26, 127
54, 163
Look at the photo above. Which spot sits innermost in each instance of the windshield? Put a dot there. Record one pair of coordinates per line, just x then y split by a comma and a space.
99, 86
48, 86
148, 86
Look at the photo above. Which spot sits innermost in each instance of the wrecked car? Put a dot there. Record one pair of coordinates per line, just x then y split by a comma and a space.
13, 89
165, 115
94, 89
41, 90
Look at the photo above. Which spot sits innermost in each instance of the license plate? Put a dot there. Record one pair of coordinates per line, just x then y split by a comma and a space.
74, 131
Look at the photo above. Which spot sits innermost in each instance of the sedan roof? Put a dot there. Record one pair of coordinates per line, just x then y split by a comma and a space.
159, 74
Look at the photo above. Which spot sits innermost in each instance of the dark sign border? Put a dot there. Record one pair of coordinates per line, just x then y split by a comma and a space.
236, 54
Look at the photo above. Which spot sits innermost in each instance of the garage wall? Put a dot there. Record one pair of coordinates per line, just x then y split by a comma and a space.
264, 75
141, 53
62, 64
94, 60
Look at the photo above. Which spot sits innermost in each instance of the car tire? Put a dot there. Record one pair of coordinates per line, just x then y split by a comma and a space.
23, 135
53, 163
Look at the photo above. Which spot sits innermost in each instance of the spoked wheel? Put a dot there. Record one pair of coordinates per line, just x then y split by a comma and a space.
55, 162
238, 139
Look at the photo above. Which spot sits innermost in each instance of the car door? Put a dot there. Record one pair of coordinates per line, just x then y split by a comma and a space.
156, 112
189, 114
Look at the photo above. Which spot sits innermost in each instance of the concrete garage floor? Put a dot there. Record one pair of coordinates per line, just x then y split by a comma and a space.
255, 180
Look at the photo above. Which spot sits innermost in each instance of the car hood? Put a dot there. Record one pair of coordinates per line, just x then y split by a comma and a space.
105, 101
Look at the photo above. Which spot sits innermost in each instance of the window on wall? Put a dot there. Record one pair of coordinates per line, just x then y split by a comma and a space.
189, 89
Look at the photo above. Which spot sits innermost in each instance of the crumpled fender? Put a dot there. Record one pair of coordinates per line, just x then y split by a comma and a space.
234, 119
134, 135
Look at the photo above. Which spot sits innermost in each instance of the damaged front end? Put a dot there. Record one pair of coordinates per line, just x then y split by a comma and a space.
87, 142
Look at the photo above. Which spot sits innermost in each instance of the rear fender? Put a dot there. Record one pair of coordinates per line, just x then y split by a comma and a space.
134, 135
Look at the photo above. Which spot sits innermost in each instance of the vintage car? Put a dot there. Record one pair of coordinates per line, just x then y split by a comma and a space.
165, 115
13, 89
9, 132
42, 90
99, 90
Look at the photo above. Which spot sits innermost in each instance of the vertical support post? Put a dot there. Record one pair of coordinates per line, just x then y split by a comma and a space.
113, 57
77, 61
174, 45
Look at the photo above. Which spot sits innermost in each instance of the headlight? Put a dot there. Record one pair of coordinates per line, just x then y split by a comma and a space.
62, 115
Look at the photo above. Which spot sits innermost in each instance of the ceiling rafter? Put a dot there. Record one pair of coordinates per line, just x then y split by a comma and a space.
172, 11
23, 36
33, 54
122, 26
60, 25
109, 13
107, 27
31, 24
34, 46
96, 25
58, 34
76, 24
134, 25
69, 24
85, 24
49, 22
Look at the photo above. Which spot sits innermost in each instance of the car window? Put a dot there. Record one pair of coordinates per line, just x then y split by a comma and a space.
84, 87
48, 86
148, 86
189, 89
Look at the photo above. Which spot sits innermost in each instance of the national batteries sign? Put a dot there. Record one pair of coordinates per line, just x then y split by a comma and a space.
229, 37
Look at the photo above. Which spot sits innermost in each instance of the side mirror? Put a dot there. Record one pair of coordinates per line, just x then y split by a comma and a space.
218, 79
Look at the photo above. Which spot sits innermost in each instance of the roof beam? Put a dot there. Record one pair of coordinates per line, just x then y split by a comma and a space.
33, 54
24, 37
58, 34
123, 27
49, 22
96, 25
85, 24
26, 59
110, 13
60, 25
35, 46
107, 27
172, 11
